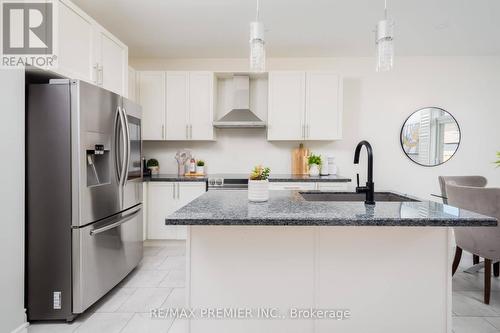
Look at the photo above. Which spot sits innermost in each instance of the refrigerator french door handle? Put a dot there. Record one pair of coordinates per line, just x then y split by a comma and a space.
127, 132
125, 145
117, 144
122, 219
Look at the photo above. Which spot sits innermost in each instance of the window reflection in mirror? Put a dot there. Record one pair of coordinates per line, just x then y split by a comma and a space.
430, 136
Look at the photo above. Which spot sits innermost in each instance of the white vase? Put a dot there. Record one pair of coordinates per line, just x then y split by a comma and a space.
258, 190
313, 170
200, 170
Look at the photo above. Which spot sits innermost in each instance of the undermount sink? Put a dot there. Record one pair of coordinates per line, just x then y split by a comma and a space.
356, 197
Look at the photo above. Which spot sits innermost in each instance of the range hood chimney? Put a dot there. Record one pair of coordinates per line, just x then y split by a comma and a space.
240, 115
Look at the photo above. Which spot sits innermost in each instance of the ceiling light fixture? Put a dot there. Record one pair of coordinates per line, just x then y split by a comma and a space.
385, 43
257, 44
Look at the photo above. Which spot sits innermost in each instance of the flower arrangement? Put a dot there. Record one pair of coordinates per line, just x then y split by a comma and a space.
260, 173
200, 163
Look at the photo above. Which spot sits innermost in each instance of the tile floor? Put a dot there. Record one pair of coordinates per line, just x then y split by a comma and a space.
159, 281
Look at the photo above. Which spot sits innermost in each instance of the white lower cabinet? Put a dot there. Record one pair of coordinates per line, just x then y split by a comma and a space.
163, 199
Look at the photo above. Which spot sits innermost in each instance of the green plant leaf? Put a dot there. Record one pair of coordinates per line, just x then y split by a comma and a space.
260, 173
314, 159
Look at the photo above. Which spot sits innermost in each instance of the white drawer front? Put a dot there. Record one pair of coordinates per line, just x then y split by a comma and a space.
297, 186
333, 187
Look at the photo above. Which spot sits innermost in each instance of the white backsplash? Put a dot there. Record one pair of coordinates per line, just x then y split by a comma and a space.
235, 151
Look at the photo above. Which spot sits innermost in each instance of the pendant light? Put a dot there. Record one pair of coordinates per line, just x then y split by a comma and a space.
385, 43
257, 44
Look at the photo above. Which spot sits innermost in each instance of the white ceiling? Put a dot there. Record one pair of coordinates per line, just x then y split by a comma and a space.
298, 28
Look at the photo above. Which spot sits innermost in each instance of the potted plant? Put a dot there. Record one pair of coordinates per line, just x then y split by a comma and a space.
153, 166
200, 167
258, 184
314, 162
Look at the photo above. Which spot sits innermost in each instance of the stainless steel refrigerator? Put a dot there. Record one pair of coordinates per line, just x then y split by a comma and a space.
83, 196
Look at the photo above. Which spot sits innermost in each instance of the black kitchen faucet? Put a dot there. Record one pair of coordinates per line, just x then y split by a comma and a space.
369, 189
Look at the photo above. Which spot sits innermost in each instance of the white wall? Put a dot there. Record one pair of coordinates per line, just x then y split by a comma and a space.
12, 315
375, 107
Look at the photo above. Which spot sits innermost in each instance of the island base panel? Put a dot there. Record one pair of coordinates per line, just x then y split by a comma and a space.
391, 279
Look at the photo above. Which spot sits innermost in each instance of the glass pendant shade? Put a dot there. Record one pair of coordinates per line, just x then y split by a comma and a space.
257, 56
257, 47
385, 46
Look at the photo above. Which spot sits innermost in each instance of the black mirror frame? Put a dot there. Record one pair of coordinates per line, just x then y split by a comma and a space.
401, 136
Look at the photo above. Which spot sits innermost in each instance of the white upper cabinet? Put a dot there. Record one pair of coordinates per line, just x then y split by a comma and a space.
323, 103
304, 106
111, 59
201, 105
151, 96
132, 84
187, 109
86, 51
177, 112
285, 118
75, 55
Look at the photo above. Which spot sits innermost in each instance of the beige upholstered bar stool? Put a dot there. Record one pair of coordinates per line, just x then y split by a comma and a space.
481, 241
474, 181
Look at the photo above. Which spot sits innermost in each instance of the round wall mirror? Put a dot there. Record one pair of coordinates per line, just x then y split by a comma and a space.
430, 136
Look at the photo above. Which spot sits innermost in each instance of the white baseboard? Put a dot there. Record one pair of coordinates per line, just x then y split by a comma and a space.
23, 328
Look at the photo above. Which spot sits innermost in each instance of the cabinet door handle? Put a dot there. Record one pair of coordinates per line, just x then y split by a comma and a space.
191, 131
163, 131
100, 70
187, 131
308, 131
178, 191
173, 192
96, 73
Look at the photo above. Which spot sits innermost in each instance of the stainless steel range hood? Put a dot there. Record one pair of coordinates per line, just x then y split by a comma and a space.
240, 115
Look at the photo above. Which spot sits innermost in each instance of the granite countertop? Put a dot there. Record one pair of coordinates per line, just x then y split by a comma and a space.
272, 178
290, 208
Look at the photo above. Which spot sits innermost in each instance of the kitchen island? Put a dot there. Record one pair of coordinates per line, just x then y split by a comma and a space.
381, 268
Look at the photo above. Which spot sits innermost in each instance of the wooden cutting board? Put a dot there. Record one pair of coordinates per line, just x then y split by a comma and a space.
189, 174
299, 160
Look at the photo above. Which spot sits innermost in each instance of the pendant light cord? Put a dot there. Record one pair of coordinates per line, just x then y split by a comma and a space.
385, 9
258, 11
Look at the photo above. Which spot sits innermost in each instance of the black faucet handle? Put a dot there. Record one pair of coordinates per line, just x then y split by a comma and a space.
357, 179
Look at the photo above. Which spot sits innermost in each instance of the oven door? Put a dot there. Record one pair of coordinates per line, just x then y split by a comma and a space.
103, 254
